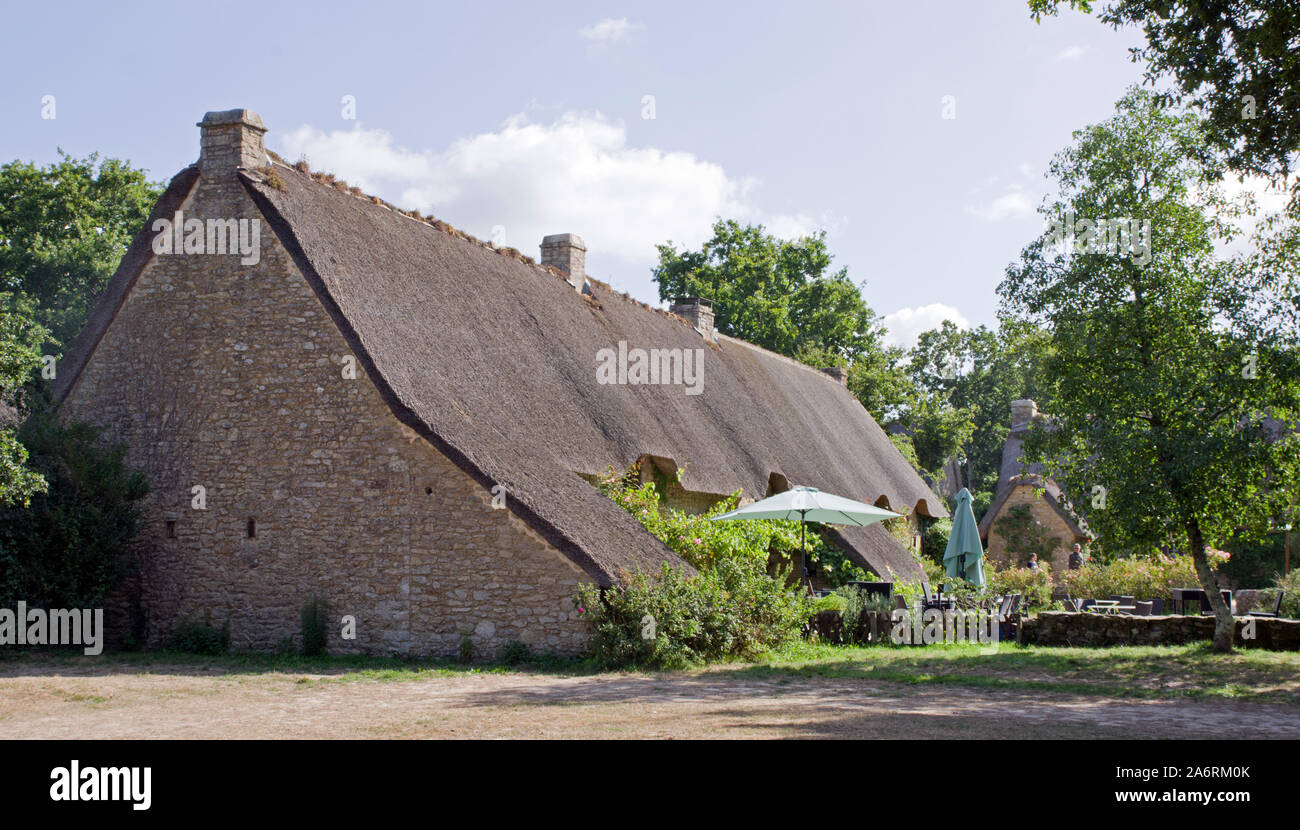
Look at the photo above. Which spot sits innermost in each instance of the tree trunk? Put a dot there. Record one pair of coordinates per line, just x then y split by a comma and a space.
1223, 622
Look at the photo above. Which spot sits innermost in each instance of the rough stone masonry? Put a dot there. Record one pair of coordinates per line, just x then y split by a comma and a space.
234, 379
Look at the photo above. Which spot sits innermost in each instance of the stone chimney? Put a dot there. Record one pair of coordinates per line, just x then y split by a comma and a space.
697, 310
839, 373
567, 253
1023, 413
230, 140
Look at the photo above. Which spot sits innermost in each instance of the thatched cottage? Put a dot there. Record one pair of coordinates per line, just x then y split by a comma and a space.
337, 399
1029, 505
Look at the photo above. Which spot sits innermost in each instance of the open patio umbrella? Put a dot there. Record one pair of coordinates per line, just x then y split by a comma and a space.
964, 555
808, 504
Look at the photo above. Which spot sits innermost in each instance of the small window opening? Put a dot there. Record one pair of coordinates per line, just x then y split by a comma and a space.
252, 528
171, 528
428, 491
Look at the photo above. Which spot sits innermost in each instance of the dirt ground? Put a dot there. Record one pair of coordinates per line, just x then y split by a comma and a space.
185, 702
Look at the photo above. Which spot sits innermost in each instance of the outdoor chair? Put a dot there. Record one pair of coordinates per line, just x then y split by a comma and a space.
1004, 608
1007, 621
1277, 608
932, 601
1085, 604
1143, 609
1071, 605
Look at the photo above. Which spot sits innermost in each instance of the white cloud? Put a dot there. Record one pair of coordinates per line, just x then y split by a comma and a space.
1012, 204
576, 175
787, 226
609, 30
906, 324
1072, 53
1267, 200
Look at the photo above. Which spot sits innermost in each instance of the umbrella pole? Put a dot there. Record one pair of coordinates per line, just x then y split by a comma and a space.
803, 550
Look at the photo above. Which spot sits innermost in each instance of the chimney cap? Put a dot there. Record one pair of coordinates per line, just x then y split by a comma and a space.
1023, 412
237, 116
571, 239
704, 301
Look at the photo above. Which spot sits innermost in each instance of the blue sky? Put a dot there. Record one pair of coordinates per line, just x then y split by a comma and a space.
517, 120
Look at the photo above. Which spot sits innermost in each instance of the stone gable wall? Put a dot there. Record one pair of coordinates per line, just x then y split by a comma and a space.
230, 377
1048, 519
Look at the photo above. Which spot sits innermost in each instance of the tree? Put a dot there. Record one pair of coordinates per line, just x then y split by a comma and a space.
774, 293
1166, 359
976, 373
20, 353
1235, 61
879, 380
63, 231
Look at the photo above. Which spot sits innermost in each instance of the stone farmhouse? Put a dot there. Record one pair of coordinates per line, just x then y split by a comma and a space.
341, 400
1045, 505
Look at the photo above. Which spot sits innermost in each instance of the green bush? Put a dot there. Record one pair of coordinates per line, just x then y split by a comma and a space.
935, 539
315, 620
72, 545
1290, 600
516, 652
856, 603
830, 602
1034, 586
702, 542
465, 654
1150, 576
200, 638
669, 620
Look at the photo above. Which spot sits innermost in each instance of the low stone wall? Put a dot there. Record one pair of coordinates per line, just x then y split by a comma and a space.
1059, 628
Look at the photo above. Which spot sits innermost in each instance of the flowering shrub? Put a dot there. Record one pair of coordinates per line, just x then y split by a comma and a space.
669, 621
1142, 576
1034, 586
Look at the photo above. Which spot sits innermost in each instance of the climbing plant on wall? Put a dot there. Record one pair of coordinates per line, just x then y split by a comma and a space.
1024, 535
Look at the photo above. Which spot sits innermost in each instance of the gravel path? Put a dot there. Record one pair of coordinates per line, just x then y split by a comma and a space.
181, 703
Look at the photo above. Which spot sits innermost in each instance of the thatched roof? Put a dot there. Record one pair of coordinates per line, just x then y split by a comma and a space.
492, 358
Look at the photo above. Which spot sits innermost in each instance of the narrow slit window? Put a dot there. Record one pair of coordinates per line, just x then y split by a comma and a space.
171, 528
252, 528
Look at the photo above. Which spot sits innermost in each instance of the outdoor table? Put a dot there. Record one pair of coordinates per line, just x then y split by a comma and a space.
1182, 596
1104, 606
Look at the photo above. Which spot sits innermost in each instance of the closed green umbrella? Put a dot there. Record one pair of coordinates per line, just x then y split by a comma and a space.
964, 555
808, 504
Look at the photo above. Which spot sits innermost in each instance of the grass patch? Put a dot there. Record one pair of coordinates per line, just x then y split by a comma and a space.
325, 667
1165, 672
